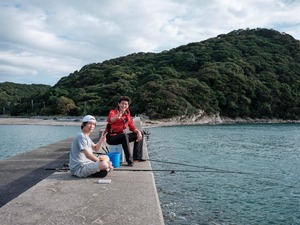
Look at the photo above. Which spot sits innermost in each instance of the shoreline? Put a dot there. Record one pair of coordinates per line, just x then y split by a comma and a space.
46, 122
226, 121
147, 123
36, 121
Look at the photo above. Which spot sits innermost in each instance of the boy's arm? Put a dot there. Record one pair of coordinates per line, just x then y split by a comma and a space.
97, 146
90, 155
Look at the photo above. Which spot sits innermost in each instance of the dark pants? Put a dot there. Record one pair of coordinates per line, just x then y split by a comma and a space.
122, 139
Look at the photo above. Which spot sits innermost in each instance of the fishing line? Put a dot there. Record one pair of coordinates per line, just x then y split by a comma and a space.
196, 166
207, 169
58, 169
66, 168
150, 170
172, 171
213, 170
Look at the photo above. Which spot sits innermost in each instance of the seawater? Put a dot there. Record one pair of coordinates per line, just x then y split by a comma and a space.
16, 139
243, 174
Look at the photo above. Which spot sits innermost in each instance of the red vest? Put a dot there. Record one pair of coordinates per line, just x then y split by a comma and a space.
121, 124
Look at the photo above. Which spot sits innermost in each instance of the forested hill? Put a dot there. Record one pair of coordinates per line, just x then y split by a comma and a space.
245, 73
16, 99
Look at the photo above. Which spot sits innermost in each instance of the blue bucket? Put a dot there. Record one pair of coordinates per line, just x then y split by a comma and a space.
115, 158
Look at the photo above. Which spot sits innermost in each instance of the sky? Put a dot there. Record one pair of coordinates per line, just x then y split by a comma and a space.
42, 41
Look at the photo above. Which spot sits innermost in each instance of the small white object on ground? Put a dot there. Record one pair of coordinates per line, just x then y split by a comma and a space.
104, 181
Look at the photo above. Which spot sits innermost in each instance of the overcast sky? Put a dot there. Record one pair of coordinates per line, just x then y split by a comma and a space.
44, 40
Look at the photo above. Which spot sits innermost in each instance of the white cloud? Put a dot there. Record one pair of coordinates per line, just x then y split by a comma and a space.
42, 41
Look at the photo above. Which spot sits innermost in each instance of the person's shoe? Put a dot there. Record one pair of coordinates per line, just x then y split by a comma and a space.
139, 160
130, 163
100, 174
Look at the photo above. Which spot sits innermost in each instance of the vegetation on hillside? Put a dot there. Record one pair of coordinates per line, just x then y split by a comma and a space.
21, 99
246, 73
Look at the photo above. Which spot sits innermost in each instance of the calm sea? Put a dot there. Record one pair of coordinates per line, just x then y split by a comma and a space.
213, 174
16, 139
232, 174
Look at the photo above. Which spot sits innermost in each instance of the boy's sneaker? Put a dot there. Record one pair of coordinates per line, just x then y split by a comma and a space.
100, 174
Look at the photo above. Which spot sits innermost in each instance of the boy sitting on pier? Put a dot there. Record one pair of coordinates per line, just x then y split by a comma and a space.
83, 162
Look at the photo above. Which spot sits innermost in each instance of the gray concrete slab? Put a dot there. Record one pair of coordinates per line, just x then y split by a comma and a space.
22, 171
130, 198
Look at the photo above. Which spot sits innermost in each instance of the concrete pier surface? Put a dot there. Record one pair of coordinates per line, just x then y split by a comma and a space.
21, 172
30, 194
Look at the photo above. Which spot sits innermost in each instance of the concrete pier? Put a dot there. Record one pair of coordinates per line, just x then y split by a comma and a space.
29, 194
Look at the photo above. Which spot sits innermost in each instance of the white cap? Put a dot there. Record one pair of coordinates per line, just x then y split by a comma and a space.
89, 118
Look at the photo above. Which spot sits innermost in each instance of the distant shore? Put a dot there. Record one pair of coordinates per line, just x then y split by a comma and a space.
148, 123
38, 121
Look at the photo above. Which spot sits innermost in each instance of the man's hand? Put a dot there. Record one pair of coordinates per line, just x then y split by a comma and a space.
139, 136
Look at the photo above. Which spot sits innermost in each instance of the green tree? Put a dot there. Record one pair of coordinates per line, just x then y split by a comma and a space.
64, 105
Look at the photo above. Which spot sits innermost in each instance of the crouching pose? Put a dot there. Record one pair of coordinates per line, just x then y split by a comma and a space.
118, 120
83, 162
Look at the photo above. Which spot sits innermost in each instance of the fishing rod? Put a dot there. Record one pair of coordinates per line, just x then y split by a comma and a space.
172, 171
59, 169
207, 169
106, 151
66, 168
196, 166
150, 170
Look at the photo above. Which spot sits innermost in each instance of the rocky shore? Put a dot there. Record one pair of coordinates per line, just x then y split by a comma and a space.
203, 119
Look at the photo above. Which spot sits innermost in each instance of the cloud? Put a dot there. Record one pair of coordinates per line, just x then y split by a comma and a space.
42, 41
